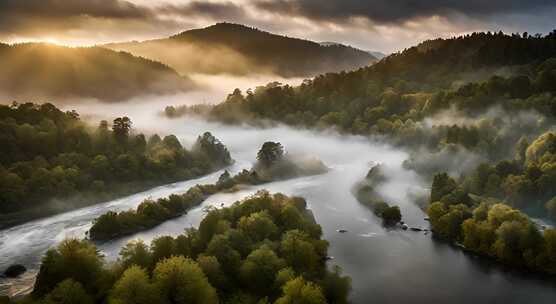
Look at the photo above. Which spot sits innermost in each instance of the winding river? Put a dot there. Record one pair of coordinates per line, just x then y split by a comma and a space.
386, 266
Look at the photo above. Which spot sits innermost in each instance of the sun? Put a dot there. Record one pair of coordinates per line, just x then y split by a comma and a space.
49, 40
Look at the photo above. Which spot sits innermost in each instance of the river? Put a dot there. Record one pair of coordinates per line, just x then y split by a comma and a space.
386, 266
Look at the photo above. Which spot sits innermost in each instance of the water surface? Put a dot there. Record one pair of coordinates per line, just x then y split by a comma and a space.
386, 266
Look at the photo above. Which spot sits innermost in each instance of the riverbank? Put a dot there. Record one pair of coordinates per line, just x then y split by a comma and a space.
151, 213
386, 265
58, 206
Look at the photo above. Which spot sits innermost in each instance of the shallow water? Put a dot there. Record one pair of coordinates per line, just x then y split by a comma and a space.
386, 266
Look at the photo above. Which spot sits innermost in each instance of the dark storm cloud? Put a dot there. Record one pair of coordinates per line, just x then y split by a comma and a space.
33, 17
86, 22
394, 11
214, 10
67, 9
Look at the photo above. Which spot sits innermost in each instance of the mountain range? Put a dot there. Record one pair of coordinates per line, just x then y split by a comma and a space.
116, 72
227, 48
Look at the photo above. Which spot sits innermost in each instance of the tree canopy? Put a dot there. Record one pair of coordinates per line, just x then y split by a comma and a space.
49, 155
245, 253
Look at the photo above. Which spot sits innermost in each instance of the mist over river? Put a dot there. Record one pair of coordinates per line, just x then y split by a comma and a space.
386, 266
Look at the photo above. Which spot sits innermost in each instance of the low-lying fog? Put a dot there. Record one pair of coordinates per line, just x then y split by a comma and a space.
348, 157
387, 266
211, 89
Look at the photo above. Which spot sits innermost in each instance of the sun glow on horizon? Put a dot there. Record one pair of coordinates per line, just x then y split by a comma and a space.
49, 40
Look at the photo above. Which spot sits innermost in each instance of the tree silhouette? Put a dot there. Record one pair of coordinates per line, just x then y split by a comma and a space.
121, 128
270, 153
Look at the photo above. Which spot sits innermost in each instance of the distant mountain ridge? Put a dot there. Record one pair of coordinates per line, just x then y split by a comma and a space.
44, 71
227, 48
378, 55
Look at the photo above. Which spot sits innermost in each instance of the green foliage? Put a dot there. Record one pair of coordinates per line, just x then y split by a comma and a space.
259, 270
550, 249
151, 213
441, 186
134, 287
68, 292
283, 276
263, 249
526, 182
298, 291
148, 214
301, 252
392, 214
447, 220
163, 247
388, 97
212, 269
72, 259
336, 287
221, 247
544, 146
48, 154
181, 281
366, 194
406, 98
121, 128
136, 253
258, 226
213, 149
473, 214
551, 207
497, 230
270, 153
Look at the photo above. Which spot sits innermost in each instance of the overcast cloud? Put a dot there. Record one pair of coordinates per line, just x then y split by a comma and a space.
385, 25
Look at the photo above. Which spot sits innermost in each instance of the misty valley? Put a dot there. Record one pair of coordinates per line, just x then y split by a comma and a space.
228, 164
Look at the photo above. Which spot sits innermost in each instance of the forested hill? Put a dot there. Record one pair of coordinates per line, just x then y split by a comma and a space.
439, 96
237, 49
442, 64
443, 60
472, 72
41, 71
480, 107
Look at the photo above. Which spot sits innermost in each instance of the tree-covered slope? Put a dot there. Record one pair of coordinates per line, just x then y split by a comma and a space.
52, 161
454, 104
41, 71
471, 74
237, 49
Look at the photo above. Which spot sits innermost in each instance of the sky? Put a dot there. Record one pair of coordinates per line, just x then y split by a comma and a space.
378, 25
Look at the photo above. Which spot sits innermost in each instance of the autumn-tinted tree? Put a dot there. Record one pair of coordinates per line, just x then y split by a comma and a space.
134, 287
298, 291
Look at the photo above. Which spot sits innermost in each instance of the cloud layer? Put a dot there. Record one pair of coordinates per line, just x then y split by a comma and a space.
386, 25
399, 11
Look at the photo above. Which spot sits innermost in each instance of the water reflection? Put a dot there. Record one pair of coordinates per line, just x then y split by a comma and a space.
386, 265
